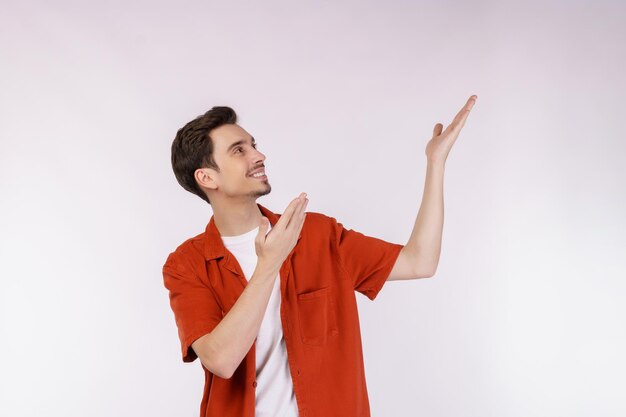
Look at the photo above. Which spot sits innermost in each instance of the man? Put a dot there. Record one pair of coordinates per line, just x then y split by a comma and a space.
267, 301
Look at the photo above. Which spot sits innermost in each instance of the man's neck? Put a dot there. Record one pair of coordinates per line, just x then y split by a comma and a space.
236, 218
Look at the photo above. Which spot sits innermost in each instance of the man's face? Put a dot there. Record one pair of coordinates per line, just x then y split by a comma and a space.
236, 155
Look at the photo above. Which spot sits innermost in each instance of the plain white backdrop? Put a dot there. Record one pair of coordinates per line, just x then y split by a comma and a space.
525, 315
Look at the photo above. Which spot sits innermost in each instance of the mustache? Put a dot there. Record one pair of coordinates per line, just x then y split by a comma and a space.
255, 168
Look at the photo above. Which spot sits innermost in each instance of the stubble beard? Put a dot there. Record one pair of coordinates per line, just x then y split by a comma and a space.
259, 193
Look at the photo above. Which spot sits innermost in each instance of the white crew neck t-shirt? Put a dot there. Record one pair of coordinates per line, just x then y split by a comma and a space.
274, 391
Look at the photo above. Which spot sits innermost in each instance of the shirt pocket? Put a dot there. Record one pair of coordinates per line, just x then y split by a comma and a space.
316, 315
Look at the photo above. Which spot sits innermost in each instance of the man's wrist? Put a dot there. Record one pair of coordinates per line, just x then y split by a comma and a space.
435, 164
266, 269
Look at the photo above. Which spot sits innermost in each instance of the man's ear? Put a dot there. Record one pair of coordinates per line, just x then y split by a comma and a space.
205, 177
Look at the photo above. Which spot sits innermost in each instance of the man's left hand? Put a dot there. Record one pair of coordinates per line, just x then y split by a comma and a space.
439, 146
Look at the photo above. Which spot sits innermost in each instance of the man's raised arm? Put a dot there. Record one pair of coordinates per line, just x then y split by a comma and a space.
420, 256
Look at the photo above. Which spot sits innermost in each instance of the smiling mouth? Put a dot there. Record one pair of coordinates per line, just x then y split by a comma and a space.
259, 176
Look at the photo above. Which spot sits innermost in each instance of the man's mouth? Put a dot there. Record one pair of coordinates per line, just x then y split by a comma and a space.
260, 175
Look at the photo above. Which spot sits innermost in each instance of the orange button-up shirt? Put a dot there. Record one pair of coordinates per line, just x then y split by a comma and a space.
318, 313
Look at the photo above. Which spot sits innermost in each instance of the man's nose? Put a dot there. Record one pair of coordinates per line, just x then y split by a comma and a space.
260, 156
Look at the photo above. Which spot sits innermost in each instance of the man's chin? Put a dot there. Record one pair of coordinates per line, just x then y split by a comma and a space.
266, 191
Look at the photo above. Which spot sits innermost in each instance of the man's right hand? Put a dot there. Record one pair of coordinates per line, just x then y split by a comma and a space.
273, 248
222, 350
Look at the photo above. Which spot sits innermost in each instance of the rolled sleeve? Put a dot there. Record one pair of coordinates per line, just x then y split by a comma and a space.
366, 260
195, 310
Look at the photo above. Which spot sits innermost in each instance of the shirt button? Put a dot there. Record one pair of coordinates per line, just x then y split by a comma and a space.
254, 384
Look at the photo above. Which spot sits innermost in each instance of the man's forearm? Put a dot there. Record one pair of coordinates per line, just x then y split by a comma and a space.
226, 346
424, 245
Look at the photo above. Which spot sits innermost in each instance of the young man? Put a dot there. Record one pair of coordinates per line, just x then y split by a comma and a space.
267, 301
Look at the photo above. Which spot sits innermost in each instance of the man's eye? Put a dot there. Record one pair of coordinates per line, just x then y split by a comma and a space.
238, 149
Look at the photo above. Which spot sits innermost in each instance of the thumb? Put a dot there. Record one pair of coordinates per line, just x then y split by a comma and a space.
437, 130
260, 237
263, 226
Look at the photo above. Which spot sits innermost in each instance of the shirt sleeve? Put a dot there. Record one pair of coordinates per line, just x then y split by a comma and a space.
367, 260
195, 308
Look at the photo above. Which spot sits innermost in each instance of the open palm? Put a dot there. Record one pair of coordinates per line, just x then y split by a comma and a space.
439, 146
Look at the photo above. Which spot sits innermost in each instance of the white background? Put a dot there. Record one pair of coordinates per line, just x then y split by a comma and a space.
525, 315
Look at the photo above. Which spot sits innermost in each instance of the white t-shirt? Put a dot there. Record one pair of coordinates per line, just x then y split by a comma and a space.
274, 391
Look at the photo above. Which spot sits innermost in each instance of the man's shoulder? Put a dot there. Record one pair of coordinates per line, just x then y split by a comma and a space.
319, 225
316, 220
187, 252
318, 217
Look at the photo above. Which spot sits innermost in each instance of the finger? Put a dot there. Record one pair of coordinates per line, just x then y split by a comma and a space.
437, 129
465, 111
459, 120
298, 215
260, 237
301, 218
285, 218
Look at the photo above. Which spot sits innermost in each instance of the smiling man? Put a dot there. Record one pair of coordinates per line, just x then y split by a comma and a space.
267, 301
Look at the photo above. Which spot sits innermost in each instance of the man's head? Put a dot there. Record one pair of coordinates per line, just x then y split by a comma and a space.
214, 158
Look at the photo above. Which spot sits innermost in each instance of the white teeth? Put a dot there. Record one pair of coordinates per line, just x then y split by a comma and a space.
258, 174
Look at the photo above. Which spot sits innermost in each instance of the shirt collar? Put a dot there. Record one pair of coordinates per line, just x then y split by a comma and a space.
213, 244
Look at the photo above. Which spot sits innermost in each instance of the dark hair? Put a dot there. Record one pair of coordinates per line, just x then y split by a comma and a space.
193, 147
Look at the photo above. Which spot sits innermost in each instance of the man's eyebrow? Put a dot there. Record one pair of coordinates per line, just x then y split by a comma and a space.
240, 142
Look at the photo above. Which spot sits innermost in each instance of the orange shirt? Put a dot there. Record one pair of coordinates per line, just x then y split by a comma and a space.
318, 280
